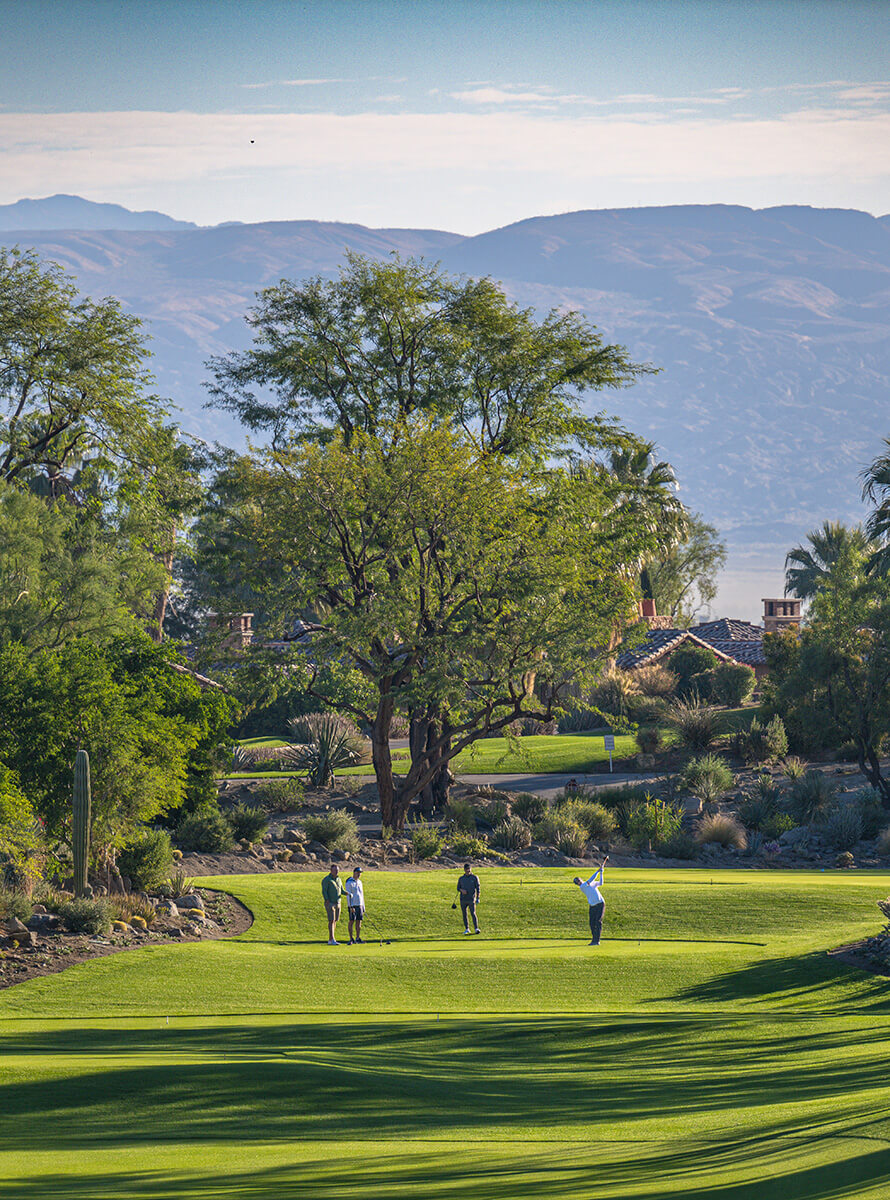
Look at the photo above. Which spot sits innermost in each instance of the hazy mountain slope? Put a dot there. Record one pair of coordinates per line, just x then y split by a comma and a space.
73, 212
772, 329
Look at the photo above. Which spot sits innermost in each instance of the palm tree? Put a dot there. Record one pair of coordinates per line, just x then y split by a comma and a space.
809, 569
648, 492
876, 488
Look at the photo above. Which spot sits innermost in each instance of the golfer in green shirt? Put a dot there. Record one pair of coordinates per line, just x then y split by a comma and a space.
332, 890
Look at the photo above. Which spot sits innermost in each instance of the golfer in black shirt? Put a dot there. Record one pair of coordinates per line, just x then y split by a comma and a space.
468, 891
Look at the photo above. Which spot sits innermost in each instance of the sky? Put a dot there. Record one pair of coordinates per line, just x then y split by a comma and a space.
451, 114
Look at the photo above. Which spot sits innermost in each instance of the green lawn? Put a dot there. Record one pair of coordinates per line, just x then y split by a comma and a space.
709, 1049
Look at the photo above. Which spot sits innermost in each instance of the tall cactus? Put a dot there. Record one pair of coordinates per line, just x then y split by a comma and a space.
80, 822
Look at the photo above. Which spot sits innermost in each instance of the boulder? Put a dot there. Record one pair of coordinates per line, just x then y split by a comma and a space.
317, 848
191, 901
299, 857
167, 908
794, 837
340, 855
293, 835
43, 922
175, 932
13, 925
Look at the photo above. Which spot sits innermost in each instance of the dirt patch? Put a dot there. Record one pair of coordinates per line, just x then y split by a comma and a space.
862, 956
54, 952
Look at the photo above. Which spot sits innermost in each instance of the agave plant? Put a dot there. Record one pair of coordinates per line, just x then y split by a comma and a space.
331, 748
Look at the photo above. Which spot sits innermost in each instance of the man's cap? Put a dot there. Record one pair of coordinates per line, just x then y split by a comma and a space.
356, 870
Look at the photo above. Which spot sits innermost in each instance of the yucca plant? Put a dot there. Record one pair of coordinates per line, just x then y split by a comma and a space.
707, 777
179, 884
697, 724
332, 747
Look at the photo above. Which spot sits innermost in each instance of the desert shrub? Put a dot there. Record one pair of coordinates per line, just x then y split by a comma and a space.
842, 828
248, 822
205, 832
732, 684
620, 793
611, 693
872, 812
721, 829
688, 663
561, 831
649, 739
697, 723
14, 903
653, 823
512, 834
146, 859
86, 916
337, 830
794, 768
646, 710
755, 811
707, 777
579, 719
280, 795
761, 743
595, 819
124, 908
466, 845
493, 807
461, 816
811, 797
426, 840
179, 884
529, 807
656, 681
773, 827
315, 726
532, 727
680, 845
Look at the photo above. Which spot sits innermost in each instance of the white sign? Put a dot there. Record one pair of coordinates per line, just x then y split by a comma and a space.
609, 739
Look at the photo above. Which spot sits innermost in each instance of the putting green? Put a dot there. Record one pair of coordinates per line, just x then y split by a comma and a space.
709, 1048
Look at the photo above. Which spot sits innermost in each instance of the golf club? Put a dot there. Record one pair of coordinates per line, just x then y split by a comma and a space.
377, 932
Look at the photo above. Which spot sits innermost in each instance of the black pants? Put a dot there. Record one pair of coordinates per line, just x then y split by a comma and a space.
596, 921
468, 908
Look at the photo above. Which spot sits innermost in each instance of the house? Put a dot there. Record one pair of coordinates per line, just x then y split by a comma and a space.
730, 640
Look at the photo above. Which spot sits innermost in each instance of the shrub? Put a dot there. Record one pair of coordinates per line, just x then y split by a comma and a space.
280, 795
426, 840
763, 743
332, 747
653, 823
811, 797
646, 710
532, 727
872, 811
697, 723
14, 903
461, 816
124, 908
146, 859
206, 832
466, 845
794, 768
884, 841
720, 829
843, 826
179, 884
611, 693
595, 819
756, 811
494, 807
649, 739
86, 916
21, 837
689, 662
732, 685
529, 807
248, 822
656, 681
561, 831
680, 845
774, 826
314, 727
579, 719
337, 830
707, 777
513, 834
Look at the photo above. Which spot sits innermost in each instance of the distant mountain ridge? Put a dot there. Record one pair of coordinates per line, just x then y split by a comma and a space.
771, 328
73, 212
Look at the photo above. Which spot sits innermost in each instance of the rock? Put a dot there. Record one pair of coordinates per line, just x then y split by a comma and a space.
167, 908
793, 837
317, 848
39, 909
293, 835
340, 855
299, 857
175, 932
191, 901
42, 922
13, 926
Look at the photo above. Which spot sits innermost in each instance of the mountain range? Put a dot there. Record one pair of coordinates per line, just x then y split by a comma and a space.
771, 329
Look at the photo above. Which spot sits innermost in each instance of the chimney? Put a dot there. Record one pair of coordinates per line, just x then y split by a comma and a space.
649, 614
240, 626
779, 614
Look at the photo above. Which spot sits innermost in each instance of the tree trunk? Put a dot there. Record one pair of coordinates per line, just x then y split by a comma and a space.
156, 631
441, 785
382, 760
870, 766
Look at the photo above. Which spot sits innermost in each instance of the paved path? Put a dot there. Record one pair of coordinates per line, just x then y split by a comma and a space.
544, 784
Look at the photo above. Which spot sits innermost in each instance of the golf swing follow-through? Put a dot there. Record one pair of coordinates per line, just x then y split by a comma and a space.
595, 901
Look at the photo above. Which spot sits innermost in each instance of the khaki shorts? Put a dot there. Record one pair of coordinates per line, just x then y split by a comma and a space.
333, 910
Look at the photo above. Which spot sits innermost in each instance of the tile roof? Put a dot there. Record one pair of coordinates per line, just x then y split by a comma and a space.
736, 641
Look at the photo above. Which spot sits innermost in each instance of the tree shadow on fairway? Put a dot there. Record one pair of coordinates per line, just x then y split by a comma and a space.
111, 1088
814, 1169
807, 976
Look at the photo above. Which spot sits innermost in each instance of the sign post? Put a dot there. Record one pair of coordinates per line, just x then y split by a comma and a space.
609, 739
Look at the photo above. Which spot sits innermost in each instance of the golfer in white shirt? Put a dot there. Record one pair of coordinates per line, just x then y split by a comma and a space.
355, 899
595, 901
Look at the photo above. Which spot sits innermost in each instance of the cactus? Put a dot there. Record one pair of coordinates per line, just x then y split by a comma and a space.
80, 822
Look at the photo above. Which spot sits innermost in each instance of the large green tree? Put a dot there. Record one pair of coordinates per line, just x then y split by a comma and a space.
833, 549
682, 576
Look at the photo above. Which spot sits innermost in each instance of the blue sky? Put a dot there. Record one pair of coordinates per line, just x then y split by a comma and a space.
460, 114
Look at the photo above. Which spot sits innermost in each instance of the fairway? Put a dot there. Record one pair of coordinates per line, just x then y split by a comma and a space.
709, 1048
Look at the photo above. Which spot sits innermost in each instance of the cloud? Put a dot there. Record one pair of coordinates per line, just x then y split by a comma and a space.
495, 95
292, 83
